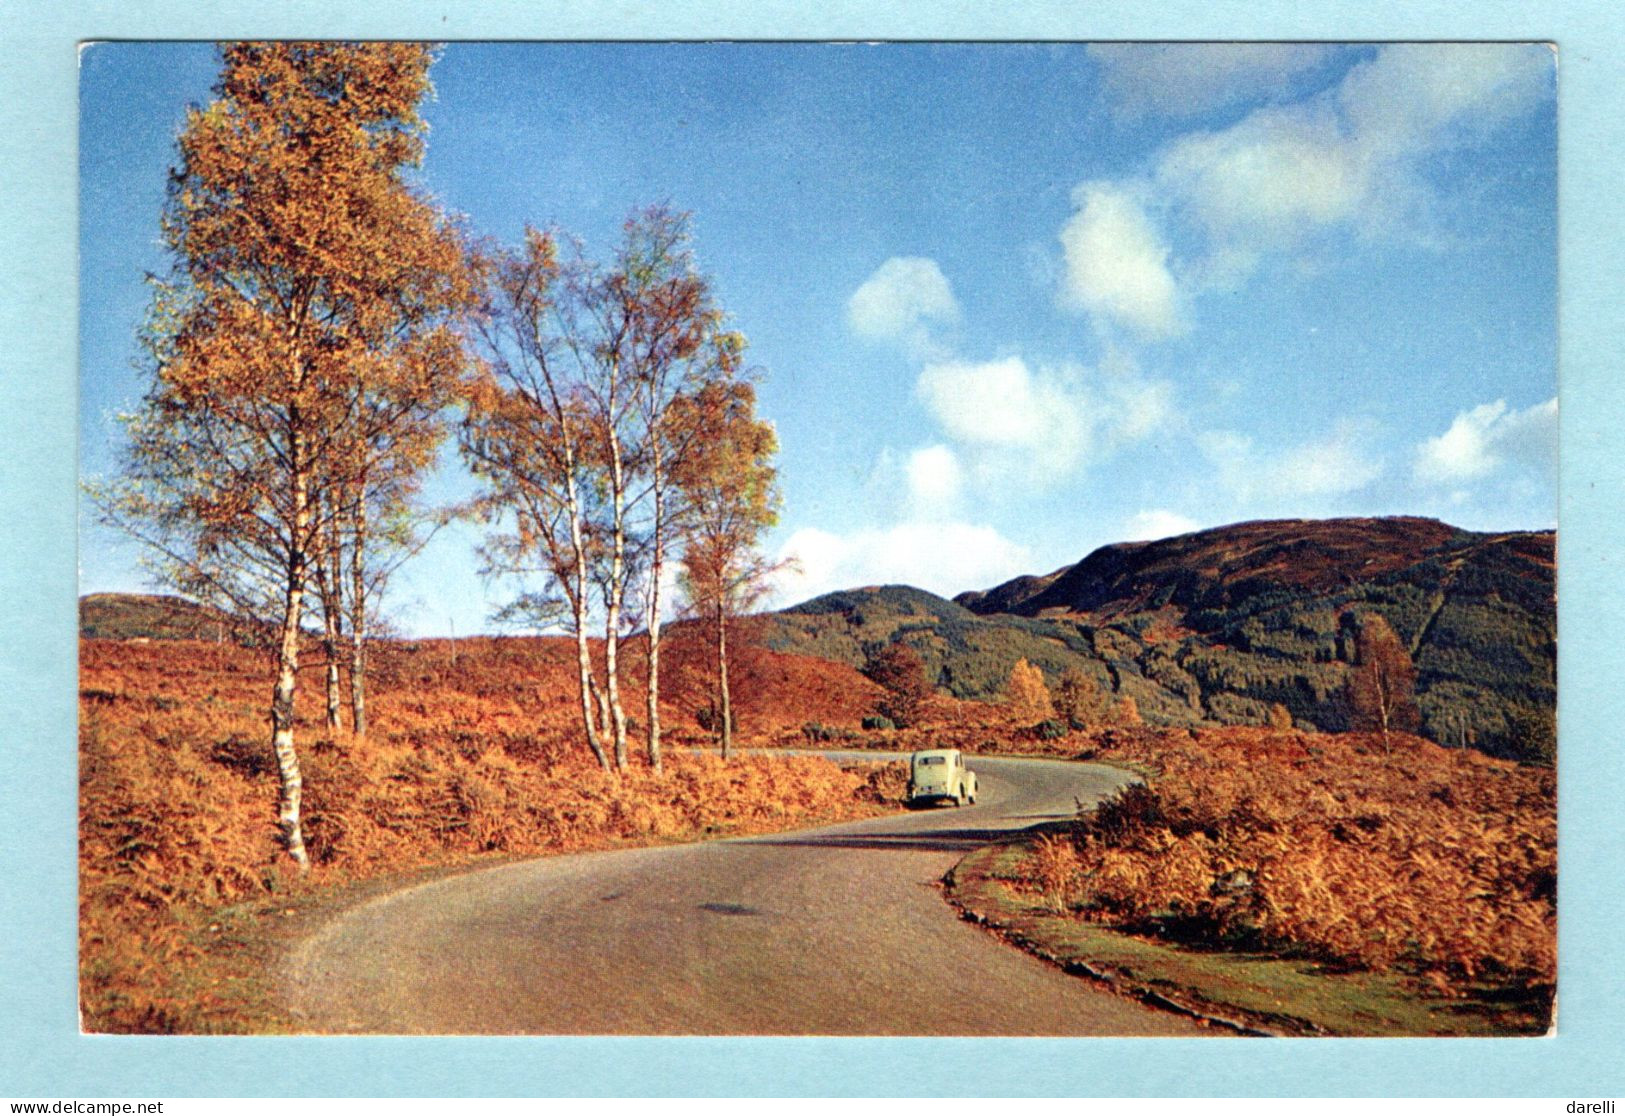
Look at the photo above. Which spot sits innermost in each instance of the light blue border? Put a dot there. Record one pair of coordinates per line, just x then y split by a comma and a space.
41, 1053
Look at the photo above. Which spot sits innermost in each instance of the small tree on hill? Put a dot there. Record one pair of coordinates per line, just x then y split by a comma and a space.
1382, 686
1079, 699
898, 669
1026, 694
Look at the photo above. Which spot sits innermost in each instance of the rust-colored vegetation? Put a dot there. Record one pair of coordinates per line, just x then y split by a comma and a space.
1392, 855
1346, 849
473, 753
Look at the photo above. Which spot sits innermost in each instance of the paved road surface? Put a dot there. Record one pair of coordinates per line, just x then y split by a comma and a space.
837, 931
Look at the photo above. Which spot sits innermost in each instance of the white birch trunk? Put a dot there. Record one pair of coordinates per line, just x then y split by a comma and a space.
358, 617
652, 625
588, 688
617, 591
590, 721
330, 649
724, 699
330, 590
282, 697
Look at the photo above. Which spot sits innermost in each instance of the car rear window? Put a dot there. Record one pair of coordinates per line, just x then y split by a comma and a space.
933, 759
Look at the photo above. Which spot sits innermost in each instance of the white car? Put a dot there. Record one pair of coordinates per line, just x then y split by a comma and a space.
940, 774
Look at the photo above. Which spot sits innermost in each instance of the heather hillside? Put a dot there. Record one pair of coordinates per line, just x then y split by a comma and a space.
1227, 566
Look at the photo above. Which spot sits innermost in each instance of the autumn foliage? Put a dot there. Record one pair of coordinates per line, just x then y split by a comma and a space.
1433, 862
613, 429
898, 670
1382, 684
472, 754
301, 350
1026, 693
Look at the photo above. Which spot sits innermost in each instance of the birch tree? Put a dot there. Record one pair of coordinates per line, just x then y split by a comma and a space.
527, 436
675, 348
399, 418
307, 276
730, 484
579, 426
1382, 684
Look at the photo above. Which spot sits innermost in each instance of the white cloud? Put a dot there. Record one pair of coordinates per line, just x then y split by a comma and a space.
901, 301
1131, 408
1156, 523
1355, 158
934, 480
1463, 451
1482, 440
1041, 424
1415, 97
1337, 465
944, 558
1180, 80
998, 403
1331, 466
1257, 185
1117, 263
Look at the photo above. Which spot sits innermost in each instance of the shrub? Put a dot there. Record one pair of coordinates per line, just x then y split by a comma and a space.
1436, 862
1532, 735
1057, 870
709, 718
1126, 712
1049, 730
878, 724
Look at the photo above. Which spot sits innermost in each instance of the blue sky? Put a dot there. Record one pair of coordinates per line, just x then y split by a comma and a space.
1012, 302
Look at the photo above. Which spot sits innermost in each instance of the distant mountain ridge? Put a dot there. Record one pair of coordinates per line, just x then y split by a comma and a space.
1224, 566
1215, 626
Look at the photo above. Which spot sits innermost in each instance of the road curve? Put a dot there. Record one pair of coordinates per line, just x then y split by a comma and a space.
832, 931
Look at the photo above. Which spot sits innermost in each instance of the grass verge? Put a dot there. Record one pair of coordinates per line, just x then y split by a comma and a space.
1253, 993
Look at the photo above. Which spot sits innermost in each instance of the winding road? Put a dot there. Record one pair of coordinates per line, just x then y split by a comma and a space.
833, 931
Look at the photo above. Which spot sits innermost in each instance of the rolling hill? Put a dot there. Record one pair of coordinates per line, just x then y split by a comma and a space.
1205, 629
149, 616
1213, 627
